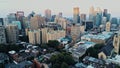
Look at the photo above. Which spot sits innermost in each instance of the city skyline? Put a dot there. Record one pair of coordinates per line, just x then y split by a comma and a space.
11, 6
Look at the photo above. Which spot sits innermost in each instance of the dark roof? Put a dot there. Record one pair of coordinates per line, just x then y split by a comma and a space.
19, 65
107, 50
94, 60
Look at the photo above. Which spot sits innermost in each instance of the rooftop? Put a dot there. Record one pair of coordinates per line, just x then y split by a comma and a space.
80, 48
94, 60
102, 36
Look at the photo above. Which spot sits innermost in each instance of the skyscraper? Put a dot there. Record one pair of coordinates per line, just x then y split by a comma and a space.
1, 21
12, 33
92, 14
104, 20
114, 20
34, 37
116, 44
2, 35
36, 22
17, 23
83, 17
76, 17
60, 14
48, 14
62, 22
91, 10
98, 19
108, 17
20, 16
55, 34
108, 26
11, 17
105, 12
75, 32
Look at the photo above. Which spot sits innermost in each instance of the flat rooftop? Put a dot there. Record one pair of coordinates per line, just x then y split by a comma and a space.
102, 36
80, 48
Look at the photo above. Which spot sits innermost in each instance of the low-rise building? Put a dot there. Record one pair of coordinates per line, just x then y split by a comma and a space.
80, 48
102, 38
115, 60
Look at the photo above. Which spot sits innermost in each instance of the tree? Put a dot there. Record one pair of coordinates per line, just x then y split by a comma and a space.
69, 60
56, 65
64, 65
92, 52
53, 43
62, 57
98, 46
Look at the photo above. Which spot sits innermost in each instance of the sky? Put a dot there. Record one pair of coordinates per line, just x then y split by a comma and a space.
56, 6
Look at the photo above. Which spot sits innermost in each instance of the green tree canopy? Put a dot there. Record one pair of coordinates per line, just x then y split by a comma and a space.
62, 57
53, 43
64, 65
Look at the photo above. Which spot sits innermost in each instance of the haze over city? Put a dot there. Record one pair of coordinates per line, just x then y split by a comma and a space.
56, 6
59, 34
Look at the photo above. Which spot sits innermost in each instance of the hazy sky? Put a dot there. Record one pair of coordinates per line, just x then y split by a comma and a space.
65, 6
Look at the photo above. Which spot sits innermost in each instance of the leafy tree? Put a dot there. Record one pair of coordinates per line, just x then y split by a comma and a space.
56, 65
5, 48
98, 46
53, 43
69, 60
64, 65
30, 58
62, 57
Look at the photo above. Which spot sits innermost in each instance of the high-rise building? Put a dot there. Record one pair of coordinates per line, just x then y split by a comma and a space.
12, 33
91, 10
48, 14
108, 26
119, 21
36, 22
34, 36
2, 35
104, 20
114, 20
20, 16
17, 23
55, 34
108, 17
105, 12
91, 13
98, 19
26, 22
53, 18
11, 17
75, 32
1, 21
88, 24
60, 14
83, 17
116, 44
44, 35
61, 21
76, 17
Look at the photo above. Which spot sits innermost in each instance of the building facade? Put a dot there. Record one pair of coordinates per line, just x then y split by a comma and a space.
2, 35
76, 17
48, 14
108, 26
34, 37
36, 22
12, 33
